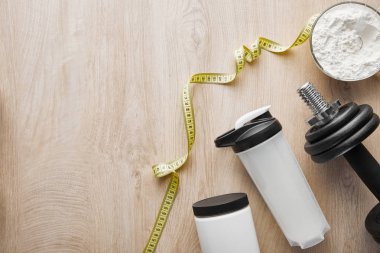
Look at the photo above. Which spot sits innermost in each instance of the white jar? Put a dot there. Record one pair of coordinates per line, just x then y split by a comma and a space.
224, 224
261, 146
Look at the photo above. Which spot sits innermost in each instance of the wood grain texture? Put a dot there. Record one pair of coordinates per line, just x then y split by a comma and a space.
90, 98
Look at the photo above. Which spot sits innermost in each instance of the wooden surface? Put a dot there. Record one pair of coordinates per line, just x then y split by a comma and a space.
90, 99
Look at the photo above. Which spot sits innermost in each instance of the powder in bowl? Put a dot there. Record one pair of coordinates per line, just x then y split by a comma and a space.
345, 41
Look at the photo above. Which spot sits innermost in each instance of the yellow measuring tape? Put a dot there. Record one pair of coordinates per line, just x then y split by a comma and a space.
242, 55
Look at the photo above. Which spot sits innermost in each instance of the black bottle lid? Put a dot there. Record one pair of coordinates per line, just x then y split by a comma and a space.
220, 205
250, 134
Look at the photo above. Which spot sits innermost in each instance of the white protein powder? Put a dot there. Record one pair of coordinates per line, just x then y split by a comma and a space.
346, 41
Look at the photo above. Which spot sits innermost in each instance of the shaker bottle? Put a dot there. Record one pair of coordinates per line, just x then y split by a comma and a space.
262, 148
224, 224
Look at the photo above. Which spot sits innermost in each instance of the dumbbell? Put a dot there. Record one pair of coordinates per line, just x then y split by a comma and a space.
339, 130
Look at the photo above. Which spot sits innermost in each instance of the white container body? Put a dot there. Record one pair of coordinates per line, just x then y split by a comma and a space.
232, 232
281, 182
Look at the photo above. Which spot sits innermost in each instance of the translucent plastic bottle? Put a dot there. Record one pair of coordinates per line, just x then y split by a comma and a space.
261, 146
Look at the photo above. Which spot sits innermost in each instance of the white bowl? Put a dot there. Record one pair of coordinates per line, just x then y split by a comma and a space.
316, 60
